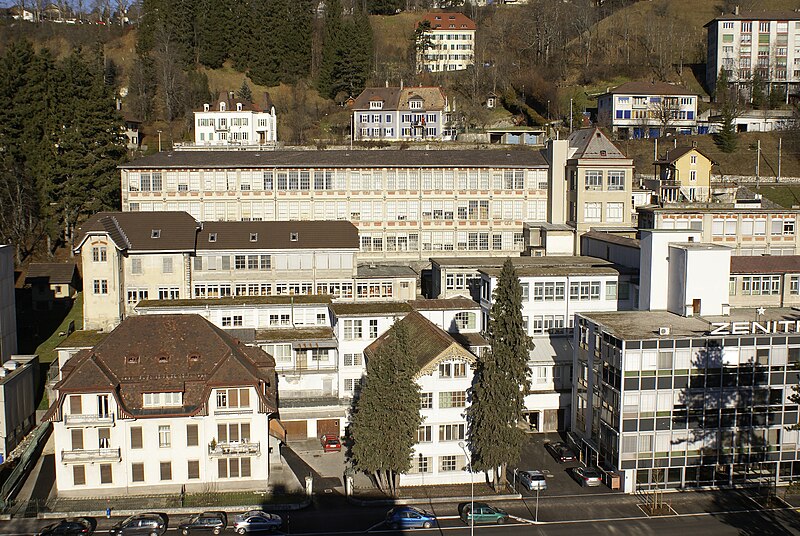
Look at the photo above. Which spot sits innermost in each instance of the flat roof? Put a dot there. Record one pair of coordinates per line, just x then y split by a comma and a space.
83, 339
370, 308
444, 304
367, 271
610, 238
551, 350
535, 271
298, 299
492, 158
712, 208
497, 262
644, 325
699, 245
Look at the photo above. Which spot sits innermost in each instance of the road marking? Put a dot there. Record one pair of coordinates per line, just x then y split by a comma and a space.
645, 517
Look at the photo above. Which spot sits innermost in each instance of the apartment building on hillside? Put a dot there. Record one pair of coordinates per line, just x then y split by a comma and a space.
451, 43
648, 110
405, 204
763, 43
402, 114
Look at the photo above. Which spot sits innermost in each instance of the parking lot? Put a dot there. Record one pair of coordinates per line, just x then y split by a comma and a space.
560, 481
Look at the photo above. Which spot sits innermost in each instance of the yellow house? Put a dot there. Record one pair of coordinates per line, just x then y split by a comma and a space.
684, 174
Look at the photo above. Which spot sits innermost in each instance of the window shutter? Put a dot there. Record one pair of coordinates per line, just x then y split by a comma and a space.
136, 437
245, 431
166, 471
244, 398
222, 433
137, 472
193, 469
222, 467
245, 467
75, 406
77, 439
105, 473
78, 475
191, 435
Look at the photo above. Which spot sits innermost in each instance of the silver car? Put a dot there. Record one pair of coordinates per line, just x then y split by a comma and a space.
256, 521
532, 480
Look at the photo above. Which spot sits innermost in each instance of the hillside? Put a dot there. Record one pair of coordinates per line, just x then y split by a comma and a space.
741, 162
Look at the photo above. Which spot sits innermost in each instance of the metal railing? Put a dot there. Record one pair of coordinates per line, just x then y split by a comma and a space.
88, 419
235, 448
93, 455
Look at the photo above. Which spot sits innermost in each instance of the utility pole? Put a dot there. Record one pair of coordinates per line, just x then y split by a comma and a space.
780, 146
570, 116
758, 160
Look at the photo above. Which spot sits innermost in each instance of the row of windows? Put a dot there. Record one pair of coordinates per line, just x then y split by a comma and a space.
758, 227
447, 432
442, 241
447, 400
404, 118
377, 289
424, 464
593, 212
360, 180
137, 294
226, 468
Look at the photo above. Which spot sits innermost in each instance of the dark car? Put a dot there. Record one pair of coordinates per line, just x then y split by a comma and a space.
73, 526
331, 443
256, 521
213, 522
483, 513
408, 517
149, 523
561, 452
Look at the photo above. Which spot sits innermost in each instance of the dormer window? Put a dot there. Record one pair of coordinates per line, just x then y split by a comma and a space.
294, 237
452, 25
163, 359
132, 359
206, 107
155, 233
194, 358
221, 106
238, 106
212, 237
452, 17
438, 17
375, 105
415, 104
253, 237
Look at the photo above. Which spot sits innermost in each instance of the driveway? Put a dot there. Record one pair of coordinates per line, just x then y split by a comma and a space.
306, 458
559, 478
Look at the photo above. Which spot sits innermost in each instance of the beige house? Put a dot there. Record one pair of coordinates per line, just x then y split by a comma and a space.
683, 174
748, 228
452, 39
765, 281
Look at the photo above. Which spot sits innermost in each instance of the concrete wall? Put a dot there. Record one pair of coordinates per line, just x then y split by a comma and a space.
654, 265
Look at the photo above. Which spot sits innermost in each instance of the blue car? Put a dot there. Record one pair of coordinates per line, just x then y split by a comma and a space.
407, 517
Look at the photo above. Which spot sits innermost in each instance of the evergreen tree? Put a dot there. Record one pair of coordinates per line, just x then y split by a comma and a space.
758, 94
244, 92
501, 381
727, 100
215, 30
386, 416
332, 40
385, 7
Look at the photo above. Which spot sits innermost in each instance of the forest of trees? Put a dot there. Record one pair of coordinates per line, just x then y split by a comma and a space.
61, 142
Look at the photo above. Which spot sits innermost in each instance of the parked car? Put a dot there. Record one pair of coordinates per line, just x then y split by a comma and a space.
256, 521
561, 452
331, 443
148, 523
213, 522
532, 480
72, 526
483, 513
408, 517
587, 476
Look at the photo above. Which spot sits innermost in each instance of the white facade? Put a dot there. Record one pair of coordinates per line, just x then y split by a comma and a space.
649, 112
8, 312
234, 124
746, 44
452, 37
100, 453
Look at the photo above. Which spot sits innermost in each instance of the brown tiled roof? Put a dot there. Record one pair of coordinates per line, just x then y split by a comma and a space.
367, 308
449, 21
444, 304
55, 273
430, 341
649, 88
244, 235
135, 231
395, 98
674, 154
470, 339
263, 104
515, 158
592, 143
758, 16
163, 353
765, 264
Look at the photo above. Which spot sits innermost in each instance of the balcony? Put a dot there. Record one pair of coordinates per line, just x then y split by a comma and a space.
234, 449
88, 420
90, 456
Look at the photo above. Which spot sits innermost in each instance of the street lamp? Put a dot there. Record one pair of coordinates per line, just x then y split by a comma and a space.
471, 489
159, 141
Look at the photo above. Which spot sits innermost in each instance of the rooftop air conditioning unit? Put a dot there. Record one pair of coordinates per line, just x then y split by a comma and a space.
663, 331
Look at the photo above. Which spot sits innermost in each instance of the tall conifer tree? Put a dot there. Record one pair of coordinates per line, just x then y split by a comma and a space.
501, 381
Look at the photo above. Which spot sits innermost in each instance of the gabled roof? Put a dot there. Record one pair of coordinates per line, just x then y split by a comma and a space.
370, 308
396, 98
136, 231
765, 264
449, 21
757, 16
52, 273
264, 235
430, 342
231, 100
444, 304
592, 143
167, 353
674, 154
649, 88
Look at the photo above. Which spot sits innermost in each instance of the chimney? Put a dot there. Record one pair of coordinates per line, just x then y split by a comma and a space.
694, 144
387, 82
736, 10
401, 84
230, 95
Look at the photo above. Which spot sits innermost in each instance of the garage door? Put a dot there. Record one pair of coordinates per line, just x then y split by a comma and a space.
295, 430
328, 427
